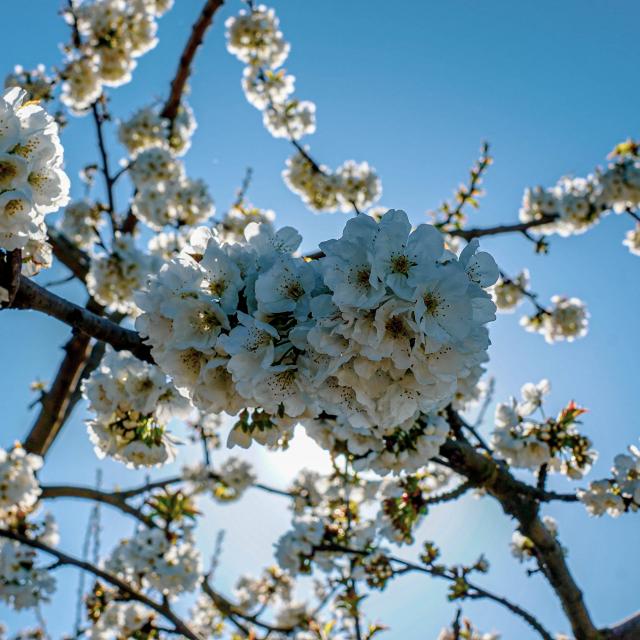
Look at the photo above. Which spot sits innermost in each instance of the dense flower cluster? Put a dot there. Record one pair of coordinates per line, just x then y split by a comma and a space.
528, 443
121, 620
32, 180
254, 38
377, 332
619, 493
568, 319
147, 128
573, 205
225, 483
19, 488
36, 82
158, 560
273, 585
231, 227
133, 403
24, 581
352, 184
81, 222
509, 293
165, 196
206, 619
404, 501
112, 35
329, 511
114, 276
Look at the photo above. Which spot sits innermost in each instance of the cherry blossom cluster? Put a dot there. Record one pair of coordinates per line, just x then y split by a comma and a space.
206, 619
115, 275
133, 403
36, 82
251, 593
567, 319
19, 488
226, 483
404, 501
231, 227
576, 204
147, 128
527, 443
378, 332
309, 542
159, 560
254, 38
352, 185
164, 194
112, 34
332, 512
620, 492
122, 620
25, 580
508, 293
32, 179
81, 222
348, 511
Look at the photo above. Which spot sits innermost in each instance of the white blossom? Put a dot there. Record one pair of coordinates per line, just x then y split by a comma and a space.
133, 403
154, 559
32, 180
19, 488
567, 320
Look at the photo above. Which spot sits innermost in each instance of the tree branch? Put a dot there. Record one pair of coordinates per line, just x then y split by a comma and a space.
628, 629
524, 507
98, 119
63, 559
55, 403
32, 296
479, 232
52, 492
170, 110
76, 260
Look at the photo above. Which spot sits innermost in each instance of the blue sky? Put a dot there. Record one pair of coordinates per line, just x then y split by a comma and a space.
412, 87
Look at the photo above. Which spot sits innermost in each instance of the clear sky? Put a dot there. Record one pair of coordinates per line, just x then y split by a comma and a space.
412, 87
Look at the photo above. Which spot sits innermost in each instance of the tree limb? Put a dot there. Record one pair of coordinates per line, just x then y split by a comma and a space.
51, 492
628, 629
32, 296
522, 506
170, 110
69, 255
163, 609
55, 402
479, 232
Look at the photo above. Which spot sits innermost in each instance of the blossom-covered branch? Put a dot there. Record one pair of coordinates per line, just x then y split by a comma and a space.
506, 489
163, 608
